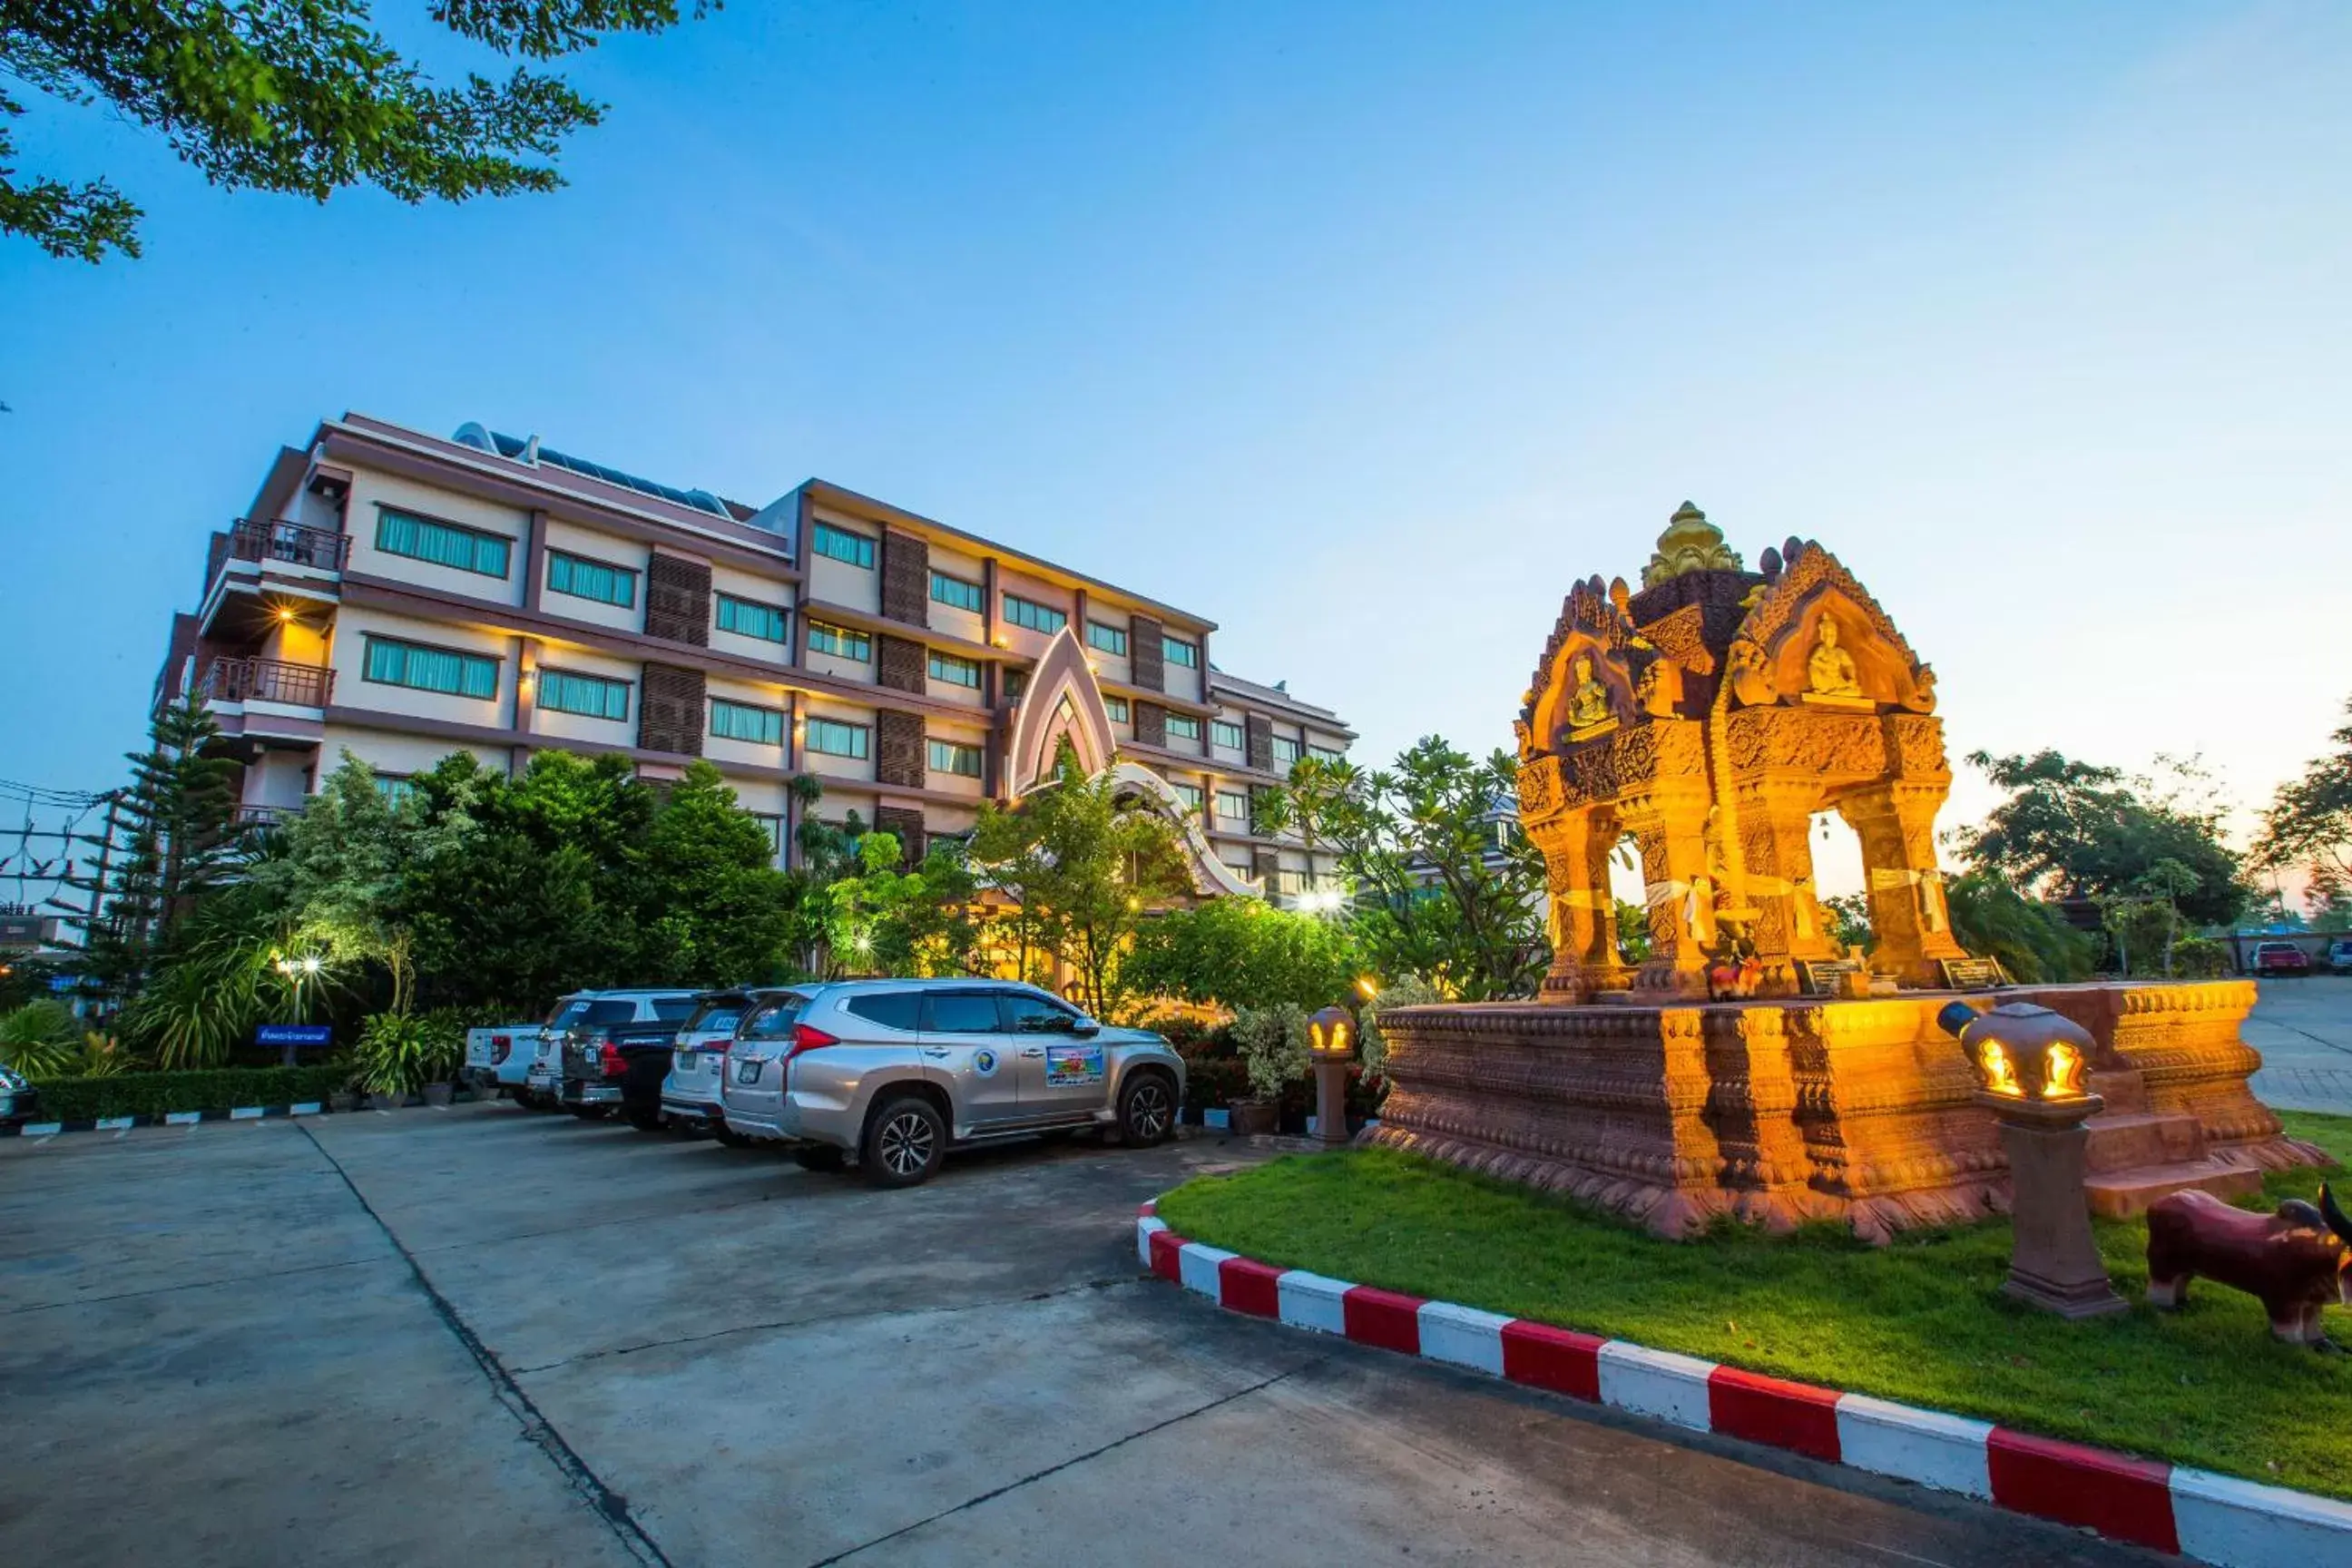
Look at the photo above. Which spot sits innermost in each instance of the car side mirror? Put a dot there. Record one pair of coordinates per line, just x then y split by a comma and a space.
1086, 1028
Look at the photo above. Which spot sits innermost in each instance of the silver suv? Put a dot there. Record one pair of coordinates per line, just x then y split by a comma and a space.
888, 1073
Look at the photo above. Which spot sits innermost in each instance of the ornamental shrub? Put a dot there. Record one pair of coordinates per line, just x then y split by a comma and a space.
161, 1093
1272, 1046
399, 1053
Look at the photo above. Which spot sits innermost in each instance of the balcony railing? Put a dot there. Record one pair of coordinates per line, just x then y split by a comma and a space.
296, 543
268, 680
263, 815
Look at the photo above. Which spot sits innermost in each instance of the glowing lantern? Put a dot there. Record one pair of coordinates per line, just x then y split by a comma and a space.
2023, 1052
1331, 1035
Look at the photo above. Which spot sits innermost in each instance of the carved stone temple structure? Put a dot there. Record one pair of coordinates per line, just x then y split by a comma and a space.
1708, 718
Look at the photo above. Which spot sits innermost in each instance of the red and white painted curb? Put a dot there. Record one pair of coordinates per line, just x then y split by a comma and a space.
2213, 1518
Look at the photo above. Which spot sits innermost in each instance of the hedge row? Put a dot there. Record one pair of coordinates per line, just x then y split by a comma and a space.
159, 1093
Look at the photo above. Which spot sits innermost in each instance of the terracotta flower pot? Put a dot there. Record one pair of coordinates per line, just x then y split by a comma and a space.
438, 1093
1254, 1116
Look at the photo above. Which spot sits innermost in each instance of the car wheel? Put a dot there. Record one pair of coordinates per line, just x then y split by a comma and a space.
729, 1136
817, 1157
1146, 1111
906, 1142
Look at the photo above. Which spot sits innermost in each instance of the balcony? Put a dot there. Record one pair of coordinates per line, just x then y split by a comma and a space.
292, 543
268, 680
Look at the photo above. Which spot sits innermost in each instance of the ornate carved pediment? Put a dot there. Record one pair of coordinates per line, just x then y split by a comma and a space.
1585, 679
1817, 629
1062, 702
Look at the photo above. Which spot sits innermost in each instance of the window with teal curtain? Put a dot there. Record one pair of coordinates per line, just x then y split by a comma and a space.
745, 618
742, 722
391, 662
955, 671
1034, 616
585, 578
954, 757
591, 696
442, 543
836, 739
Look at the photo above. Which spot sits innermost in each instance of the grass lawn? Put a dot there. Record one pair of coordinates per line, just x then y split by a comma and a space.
1921, 1321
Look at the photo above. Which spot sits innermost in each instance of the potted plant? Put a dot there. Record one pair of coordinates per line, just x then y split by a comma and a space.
394, 1058
1272, 1043
441, 1054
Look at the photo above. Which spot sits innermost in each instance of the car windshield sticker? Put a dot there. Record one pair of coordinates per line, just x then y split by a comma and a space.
1069, 1064
983, 1062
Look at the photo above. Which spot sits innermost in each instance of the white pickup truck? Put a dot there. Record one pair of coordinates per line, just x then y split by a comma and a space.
501, 1058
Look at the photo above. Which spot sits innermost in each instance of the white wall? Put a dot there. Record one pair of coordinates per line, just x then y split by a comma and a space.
390, 754
839, 583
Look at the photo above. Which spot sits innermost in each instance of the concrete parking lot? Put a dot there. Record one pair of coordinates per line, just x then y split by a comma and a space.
2304, 1029
481, 1335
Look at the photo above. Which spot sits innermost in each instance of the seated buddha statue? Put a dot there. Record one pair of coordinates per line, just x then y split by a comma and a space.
1588, 705
1830, 674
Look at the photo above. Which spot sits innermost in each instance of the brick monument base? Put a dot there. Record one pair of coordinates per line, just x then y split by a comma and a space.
1780, 1110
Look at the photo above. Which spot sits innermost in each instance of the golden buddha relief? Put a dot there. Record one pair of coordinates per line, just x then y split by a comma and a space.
1831, 677
1589, 711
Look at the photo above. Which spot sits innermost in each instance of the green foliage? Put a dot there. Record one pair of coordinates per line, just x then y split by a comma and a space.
302, 97
2080, 830
2030, 938
1444, 888
710, 905
1633, 945
1272, 1045
1082, 870
2202, 958
161, 1093
174, 840
399, 1053
882, 920
1409, 992
213, 982
1921, 1321
39, 1040
1849, 916
2309, 824
1242, 953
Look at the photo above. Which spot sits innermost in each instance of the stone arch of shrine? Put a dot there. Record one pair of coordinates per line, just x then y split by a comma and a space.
1710, 715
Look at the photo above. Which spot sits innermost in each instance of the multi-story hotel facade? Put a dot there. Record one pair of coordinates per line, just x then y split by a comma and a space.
401, 597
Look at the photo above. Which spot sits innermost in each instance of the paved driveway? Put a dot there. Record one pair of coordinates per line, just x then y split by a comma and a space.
2304, 1029
482, 1336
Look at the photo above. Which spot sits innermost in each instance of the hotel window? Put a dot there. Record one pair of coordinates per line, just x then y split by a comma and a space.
1226, 735
396, 788
442, 544
1326, 755
955, 591
391, 662
742, 721
1232, 806
1110, 639
1184, 727
585, 578
1117, 708
1178, 651
591, 696
1037, 617
835, 739
955, 671
773, 826
843, 545
955, 757
841, 642
1286, 750
747, 619
1190, 795
1286, 880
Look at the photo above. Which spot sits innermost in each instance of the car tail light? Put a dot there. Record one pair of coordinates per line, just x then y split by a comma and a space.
614, 1063
807, 1037
501, 1047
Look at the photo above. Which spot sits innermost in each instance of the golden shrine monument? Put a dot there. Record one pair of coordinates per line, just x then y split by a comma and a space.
1747, 1066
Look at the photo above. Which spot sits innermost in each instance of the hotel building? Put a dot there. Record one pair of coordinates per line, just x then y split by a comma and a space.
402, 597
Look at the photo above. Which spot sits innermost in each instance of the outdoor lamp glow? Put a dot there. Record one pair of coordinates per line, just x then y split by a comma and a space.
2023, 1052
1331, 1035
1367, 986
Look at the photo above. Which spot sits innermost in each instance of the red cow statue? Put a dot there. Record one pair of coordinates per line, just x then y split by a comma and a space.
2293, 1260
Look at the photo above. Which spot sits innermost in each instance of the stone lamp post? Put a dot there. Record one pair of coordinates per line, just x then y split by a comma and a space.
2030, 1065
1331, 1041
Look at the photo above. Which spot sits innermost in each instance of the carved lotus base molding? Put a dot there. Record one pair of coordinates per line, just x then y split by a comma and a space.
1779, 1112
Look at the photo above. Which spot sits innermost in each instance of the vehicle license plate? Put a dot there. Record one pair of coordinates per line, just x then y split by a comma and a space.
747, 1072
688, 1062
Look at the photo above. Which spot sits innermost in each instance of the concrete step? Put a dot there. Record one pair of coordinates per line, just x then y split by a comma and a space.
2135, 1138
2119, 1194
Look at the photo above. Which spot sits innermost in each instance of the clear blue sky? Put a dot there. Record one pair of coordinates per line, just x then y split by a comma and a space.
1364, 329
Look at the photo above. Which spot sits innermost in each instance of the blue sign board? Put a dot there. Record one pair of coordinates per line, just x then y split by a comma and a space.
294, 1035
